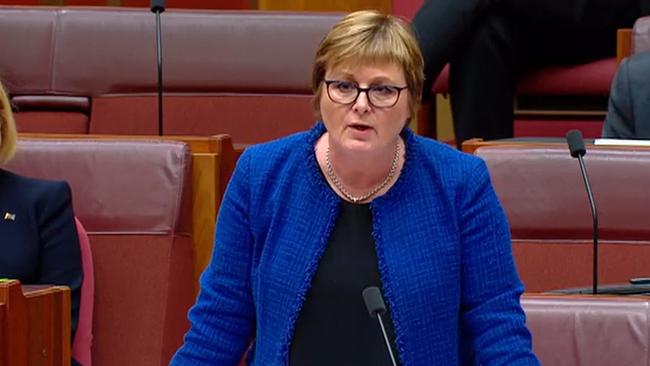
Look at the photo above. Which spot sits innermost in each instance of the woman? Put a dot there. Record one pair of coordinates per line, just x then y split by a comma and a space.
38, 236
311, 220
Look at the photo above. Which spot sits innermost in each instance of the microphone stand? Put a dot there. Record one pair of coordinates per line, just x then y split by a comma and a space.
375, 304
383, 331
594, 216
578, 150
157, 8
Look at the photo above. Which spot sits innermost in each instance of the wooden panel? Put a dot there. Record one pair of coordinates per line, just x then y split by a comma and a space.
38, 320
470, 146
326, 5
15, 323
623, 44
3, 335
204, 207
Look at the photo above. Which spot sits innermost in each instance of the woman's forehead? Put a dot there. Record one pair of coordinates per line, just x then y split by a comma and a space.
357, 66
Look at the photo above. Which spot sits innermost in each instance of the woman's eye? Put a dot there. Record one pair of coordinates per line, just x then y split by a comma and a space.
346, 87
383, 90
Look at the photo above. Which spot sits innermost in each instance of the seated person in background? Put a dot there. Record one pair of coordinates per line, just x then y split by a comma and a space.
489, 43
38, 236
628, 113
311, 220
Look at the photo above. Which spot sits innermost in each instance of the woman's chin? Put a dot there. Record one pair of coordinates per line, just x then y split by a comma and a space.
360, 146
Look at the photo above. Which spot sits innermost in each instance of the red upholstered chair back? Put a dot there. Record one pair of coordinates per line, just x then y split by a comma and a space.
641, 35
134, 199
586, 330
542, 192
83, 339
93, 70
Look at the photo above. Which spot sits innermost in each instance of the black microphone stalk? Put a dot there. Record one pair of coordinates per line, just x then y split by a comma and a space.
578, 150
157, 7
376, 307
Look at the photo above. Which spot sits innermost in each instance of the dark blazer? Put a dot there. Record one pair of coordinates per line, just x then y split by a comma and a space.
628, 113
38, 236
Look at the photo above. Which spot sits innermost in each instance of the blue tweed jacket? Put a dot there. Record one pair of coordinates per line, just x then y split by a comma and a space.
442, 242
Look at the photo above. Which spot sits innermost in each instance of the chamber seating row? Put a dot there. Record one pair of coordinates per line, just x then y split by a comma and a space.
93, 70
140, 227
541, 189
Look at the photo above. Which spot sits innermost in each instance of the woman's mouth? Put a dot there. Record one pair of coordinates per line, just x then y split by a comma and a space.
359, 127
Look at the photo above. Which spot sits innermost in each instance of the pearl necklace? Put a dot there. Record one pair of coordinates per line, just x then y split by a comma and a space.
356, 199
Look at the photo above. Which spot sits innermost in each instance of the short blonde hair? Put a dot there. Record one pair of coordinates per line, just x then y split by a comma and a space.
369, 36
7, 128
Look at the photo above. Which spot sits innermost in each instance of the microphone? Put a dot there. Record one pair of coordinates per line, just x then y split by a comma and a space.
376, 308
577, 150
157, 7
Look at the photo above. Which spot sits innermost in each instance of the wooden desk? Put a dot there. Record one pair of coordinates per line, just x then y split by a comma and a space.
34, 324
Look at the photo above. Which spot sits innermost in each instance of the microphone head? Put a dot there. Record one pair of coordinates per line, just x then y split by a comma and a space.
374, 301
157, 5
576, 144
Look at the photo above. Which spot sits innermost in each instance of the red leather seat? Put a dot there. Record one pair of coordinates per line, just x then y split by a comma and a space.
135, 200
542, 193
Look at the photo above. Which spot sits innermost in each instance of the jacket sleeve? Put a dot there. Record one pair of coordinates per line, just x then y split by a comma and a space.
222, 320
619, 122
491, 314
60, 256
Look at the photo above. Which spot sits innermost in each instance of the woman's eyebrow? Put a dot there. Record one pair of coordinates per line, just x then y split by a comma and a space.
343, 75
348, 76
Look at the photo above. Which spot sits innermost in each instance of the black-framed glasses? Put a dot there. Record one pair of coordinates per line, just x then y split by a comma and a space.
347, 92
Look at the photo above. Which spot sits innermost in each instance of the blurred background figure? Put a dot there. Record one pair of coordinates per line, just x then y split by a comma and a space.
628, 112
489, 43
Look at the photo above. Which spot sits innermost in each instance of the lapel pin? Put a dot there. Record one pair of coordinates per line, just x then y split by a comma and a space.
10, 216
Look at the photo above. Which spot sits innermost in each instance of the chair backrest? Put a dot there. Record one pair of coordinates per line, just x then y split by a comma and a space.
641, 35
134, 199
83, 339
541, 189
589, 330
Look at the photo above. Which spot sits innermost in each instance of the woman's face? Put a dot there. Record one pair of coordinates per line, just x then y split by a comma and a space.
360, 125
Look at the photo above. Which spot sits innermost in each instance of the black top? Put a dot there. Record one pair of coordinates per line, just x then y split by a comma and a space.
334, 327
